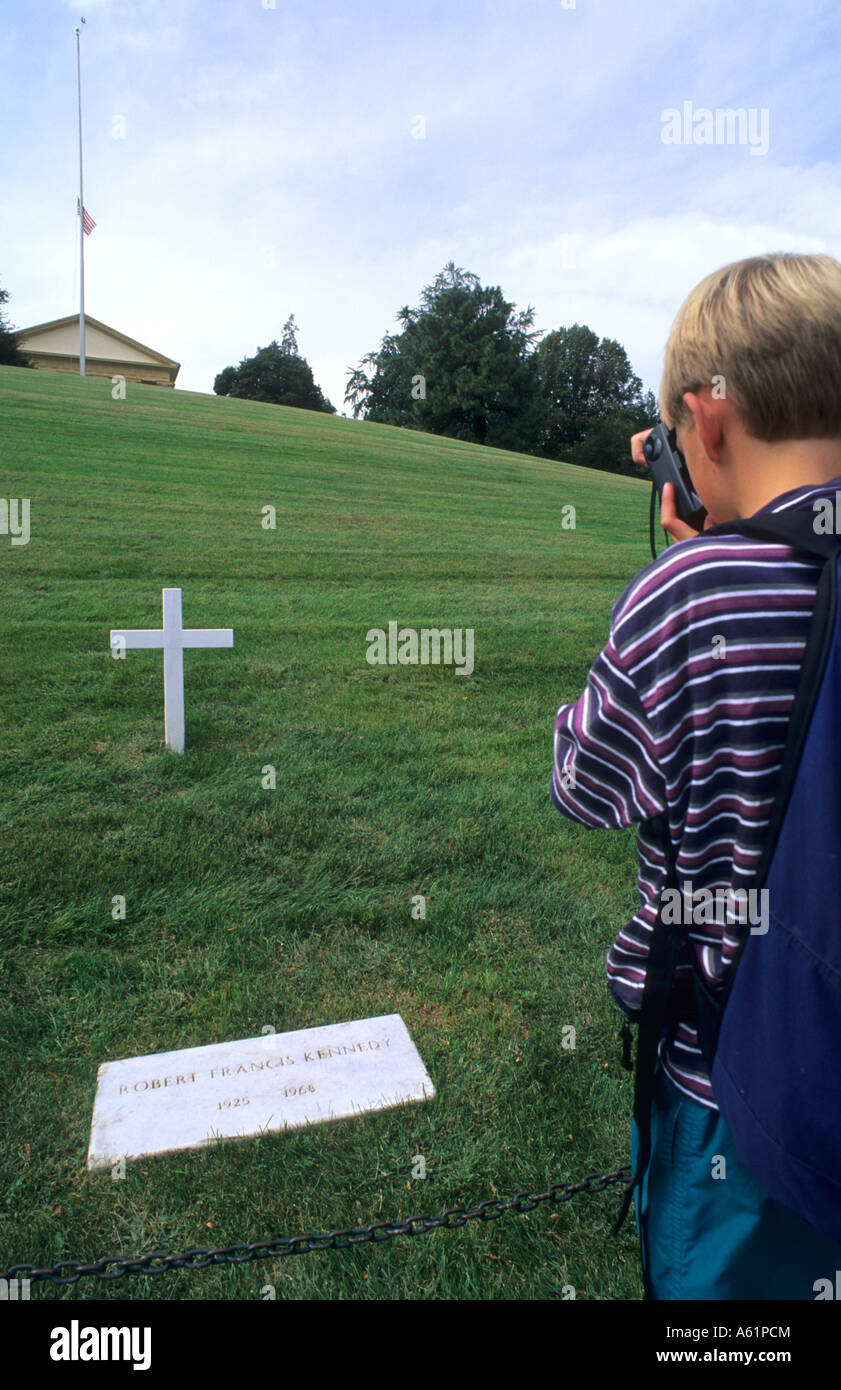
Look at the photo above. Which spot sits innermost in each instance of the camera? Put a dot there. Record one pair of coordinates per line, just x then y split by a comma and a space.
668, 465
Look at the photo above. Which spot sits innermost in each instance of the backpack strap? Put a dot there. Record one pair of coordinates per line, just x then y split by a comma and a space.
660, 998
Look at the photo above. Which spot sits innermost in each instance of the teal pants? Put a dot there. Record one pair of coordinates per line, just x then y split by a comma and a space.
703, 1236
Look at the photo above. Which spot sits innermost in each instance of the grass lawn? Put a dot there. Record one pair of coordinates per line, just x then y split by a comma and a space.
248, 907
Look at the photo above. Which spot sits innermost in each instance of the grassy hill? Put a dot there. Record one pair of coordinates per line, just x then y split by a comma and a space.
291, 907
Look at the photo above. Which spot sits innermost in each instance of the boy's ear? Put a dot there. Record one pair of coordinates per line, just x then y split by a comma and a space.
707, 418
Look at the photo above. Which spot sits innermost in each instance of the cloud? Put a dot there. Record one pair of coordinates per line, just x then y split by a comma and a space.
269, 165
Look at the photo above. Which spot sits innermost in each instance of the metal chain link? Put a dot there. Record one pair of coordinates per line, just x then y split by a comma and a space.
114, 1266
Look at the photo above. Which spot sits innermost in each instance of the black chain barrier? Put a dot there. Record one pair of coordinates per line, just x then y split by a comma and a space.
114, 1266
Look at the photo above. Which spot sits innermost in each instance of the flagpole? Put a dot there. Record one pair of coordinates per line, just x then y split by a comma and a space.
81, 219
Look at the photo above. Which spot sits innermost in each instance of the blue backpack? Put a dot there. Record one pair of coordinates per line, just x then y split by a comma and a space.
771, 1037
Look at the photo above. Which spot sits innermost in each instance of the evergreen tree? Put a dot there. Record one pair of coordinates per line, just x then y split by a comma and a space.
593, 401
584, 379
289, 342
275, 373
460, 366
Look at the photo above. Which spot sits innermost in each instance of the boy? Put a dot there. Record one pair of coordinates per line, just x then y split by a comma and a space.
685, 716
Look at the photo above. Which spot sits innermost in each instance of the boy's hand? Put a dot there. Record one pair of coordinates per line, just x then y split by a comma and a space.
669, 519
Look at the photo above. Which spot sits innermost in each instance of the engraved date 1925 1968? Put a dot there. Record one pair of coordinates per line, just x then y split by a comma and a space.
287, 1091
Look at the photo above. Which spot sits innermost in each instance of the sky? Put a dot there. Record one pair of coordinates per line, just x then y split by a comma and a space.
245, 160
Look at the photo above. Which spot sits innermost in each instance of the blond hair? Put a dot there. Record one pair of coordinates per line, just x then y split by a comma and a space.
770, 327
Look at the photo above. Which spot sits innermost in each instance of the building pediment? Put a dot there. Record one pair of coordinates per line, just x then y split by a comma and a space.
57, 343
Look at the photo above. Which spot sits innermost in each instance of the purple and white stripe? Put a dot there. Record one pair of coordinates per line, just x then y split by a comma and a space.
669, 724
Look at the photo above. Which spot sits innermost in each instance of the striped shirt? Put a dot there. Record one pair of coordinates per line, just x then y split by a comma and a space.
685, 715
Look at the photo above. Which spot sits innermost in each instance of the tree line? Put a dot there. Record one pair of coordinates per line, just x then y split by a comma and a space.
466, 364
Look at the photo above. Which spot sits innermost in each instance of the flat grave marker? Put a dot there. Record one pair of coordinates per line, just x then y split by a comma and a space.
167, 1101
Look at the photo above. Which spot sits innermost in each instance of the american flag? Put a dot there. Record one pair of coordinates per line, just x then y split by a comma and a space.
88, 223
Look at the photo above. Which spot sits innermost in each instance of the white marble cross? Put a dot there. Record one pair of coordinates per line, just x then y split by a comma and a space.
173, 638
